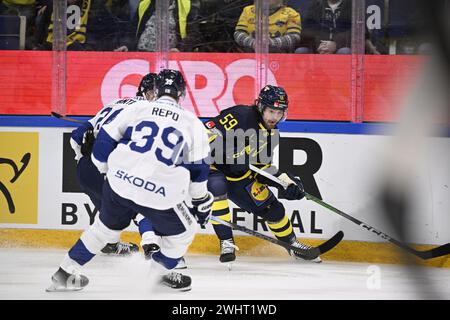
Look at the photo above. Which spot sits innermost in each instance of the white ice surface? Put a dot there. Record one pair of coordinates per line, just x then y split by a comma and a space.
25, 273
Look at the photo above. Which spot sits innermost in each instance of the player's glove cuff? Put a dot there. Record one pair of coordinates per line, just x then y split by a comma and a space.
295, 190
202, 208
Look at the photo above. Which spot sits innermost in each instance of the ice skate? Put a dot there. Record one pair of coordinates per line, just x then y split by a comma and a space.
150, 249
176, 281
63, 281
120, 249
228, 252
298, 255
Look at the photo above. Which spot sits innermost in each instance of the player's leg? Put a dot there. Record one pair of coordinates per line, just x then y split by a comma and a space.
177, 229
91, 182
280, 225
150, 242
217, 185
114, 217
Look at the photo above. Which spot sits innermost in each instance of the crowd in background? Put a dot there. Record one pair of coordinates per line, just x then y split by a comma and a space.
295, 26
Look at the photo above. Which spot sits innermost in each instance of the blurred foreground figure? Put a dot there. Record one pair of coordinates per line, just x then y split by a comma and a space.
426, 112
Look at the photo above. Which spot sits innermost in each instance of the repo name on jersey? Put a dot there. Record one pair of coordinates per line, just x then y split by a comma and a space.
206, 100
140, 183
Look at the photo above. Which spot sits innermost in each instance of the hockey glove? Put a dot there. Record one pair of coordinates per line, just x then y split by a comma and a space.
88, 142
202, 208
295, 190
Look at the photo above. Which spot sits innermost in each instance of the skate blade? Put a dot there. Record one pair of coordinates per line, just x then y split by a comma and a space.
116, 255
165, 288
180, 268
229, 265
183, 289
316, 260
57, 288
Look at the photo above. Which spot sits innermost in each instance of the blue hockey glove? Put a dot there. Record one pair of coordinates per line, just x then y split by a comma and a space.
202, 208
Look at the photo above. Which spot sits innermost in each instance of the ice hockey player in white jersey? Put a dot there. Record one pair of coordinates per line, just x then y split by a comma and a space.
155, 158
89, 178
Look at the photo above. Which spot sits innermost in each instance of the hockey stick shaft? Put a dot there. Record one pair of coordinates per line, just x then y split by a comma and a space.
313, 253
429, 254
60, 116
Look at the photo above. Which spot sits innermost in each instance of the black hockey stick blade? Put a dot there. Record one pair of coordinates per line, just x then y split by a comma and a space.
60, 116
434, 253
310, 254
331, 243
56, 115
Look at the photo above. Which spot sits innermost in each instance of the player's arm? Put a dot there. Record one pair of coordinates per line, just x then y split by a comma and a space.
198, 166
197, 160
107, 139
294, 191
291, 39
83, 137
81, 140
242, 35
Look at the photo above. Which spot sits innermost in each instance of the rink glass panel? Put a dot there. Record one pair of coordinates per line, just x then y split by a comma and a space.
78, 78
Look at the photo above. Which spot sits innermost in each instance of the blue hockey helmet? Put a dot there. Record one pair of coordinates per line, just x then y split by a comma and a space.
147, 84
170, 82
273, 97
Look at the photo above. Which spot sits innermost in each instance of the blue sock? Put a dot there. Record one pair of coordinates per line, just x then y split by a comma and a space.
80, 253
145, 226
166, 262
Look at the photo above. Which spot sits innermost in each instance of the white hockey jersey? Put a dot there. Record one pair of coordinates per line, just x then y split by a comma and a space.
105, 115
152, 154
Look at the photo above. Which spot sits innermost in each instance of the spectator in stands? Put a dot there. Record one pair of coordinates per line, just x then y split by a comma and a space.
327, 27
417, 37
376, 42
122, 9
91, 30
183, 15
76, 26
106, 24
217, 23
26, 8
284, 28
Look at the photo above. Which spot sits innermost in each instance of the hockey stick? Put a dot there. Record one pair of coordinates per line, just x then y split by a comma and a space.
60, 116
310, 254
425, 255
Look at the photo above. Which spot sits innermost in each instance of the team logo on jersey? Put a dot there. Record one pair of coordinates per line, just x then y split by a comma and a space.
259, 192
210, 124
140, 183
19, 177
169, 82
